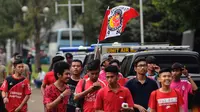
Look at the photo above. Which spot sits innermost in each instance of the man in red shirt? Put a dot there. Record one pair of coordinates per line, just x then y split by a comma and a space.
16, 90
49, 77
88, 88
112, 97
57, 94
165, 99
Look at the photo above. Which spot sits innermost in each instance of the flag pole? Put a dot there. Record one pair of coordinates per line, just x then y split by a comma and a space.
98, 47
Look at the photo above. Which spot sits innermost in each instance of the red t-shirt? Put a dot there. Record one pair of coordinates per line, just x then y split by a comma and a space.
17, 89
108, 101
49, 78
51, 93
166, 102
89, 99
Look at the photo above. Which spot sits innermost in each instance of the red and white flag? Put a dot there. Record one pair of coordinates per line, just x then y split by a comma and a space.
115, 21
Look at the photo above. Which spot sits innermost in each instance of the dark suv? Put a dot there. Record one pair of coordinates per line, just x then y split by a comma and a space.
165, 58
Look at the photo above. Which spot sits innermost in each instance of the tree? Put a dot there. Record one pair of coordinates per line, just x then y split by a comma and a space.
13, 25
39, 20
91, 20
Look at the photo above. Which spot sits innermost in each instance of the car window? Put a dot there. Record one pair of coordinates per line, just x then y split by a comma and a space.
190, 62
165, 61
123, 65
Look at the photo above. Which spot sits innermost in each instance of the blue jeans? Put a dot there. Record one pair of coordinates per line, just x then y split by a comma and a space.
37, 83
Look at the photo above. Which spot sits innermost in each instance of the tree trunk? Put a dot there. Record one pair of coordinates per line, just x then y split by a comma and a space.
37, 51
37, 42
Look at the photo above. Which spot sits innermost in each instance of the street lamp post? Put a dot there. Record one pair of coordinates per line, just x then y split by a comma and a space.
141, 24
45, 11
37, 25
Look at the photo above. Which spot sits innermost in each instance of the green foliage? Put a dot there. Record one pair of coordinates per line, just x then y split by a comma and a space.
91, 20
186, 12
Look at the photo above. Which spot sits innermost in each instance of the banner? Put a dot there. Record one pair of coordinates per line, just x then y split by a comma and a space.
115, 21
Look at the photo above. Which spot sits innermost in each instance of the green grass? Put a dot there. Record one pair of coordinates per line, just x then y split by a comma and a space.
34, 74
44, 68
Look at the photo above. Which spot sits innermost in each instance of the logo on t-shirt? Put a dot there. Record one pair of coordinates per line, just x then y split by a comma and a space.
23, 85
183, 88
11, 83
121, 97
167, 101
167, 107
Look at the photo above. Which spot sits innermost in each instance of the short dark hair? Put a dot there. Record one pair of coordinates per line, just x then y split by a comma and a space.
177, 66
164, 70
93, 65
68, 55
16, 62
151, 59
114, 61
60, 67
139, 59
77, 60
15, 54
54, 60
112, 69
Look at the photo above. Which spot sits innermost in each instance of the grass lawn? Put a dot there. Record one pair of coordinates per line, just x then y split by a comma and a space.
44, 68
34, 74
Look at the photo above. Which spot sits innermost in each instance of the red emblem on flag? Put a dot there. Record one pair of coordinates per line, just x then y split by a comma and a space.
115, 21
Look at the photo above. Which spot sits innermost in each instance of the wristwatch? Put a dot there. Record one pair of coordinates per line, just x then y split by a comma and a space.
62, 96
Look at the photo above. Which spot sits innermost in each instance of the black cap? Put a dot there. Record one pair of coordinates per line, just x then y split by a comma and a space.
57, 58
177, 66
151, 59
68, 55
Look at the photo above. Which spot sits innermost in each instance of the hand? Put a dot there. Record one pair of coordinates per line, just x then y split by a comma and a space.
5, 100
156, 68
67, 92
18, 109
185, 72
141, 108
96, 86
127, 110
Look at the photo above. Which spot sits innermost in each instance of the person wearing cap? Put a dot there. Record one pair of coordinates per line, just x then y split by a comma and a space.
49, 77
105, 63
152, 68
184, 86
69, 58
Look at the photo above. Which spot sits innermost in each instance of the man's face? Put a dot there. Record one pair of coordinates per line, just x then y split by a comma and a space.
141, 68
165, 78
151, 66
176, 73
111, 78
19, 68
106, 63
76, 68
65, 76
94, 75
69, 60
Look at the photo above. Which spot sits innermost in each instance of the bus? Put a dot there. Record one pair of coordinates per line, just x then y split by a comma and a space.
60, 38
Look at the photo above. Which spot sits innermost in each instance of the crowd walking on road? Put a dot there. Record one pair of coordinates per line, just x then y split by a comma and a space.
102, 89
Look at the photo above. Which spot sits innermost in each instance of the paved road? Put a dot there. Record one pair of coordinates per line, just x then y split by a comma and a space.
35, 102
